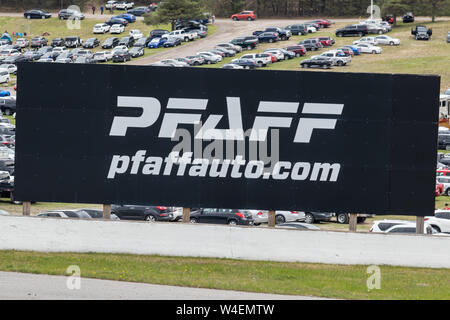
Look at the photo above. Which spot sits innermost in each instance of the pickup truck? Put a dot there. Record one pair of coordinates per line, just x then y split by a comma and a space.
421, 33
124, 5
181, 34
283, 34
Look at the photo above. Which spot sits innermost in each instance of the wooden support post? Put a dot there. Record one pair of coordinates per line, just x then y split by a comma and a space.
271, 219
420, 225
26, 208
107, 211
353, 222
186, 215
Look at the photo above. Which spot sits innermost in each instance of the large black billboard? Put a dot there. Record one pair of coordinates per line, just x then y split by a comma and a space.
319, 141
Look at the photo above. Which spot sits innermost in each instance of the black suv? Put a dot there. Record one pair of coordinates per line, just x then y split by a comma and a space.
126, 41
421, 33
91, 43
73, 42
222, 216
158, 33
283, 34
58, 42
297, 29
311, 44
110, 43
408, 17
355, 30
147, 213
246, 42
7, 105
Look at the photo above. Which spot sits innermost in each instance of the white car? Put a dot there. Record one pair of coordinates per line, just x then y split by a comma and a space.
119, 48
103, 56
4, 76
411, 229
213, 56
277, 53
181, 34
440, 221
101, 28
286, 216
110, 4
445, 180
367, 40
174, 62
231, 66
11, 68
8, 53
383, 225
337, 56
136, 34
367, 48
261, 59
229, 46
117, 29
22, 42
310, 29
386, 40
60, 50
124, 5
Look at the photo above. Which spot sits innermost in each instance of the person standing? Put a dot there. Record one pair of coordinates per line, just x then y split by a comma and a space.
213, 19
93, 9
101, 9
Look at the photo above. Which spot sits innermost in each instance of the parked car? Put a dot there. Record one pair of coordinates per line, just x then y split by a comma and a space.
5, 53
386, 40
91, 43
355, 30
261, 59
367, 48
245, 42
7, 104
408, 17
181, 34
198, 60
288, 216
110, 43
157, 43
210, 57
244, 15
355, 49
157, 33
11, 68
317, 62
222, 216
368, 40
311, 44
175, 62
127, 16
74, 214
65, 14
136, 34
383, 225
298, 50
103, 56
297, 29
37, 14
139, 11
139, 212
85, 60
142, 42
121, 56
268, 37
445, 181
186, 60
245, 63
98, 214
124, 5
4, 76
126, 41
57, 42
172, 42
137, 52
282, 33
38, 42
119, 21
298, 226
73, 42
101, 28
337, 57
117, 29
421, 33
410, 228
224, 52
231, 66
23, 42
314, 217
119, 48
440, 221
229, 46
326, 41
343, 218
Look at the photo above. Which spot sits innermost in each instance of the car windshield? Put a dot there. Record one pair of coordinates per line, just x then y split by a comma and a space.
421, 29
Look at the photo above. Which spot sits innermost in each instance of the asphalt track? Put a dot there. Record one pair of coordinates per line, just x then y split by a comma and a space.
22, 286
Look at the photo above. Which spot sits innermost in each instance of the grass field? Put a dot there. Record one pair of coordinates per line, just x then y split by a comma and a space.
321, 280
417, 57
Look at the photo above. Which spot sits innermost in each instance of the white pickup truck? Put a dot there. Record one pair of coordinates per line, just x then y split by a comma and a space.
124, 5
181, 34
338, 57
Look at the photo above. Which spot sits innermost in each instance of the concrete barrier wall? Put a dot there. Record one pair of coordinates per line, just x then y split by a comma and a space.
176, 239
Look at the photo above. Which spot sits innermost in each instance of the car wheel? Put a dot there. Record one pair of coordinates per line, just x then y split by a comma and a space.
8, 111
249, 47
298, 55
232, 222
309, 218
339, 35
43, 17
437, 228
249, 19
28, 17
342, 218
193, 220
380, 32
374, 52
279, 219
391, 43
150, 218
447, 192
340, 63
235, 19
209, 62
360, 34
270, 40
303, 65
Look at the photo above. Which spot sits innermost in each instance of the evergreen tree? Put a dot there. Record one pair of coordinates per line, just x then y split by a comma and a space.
172, 10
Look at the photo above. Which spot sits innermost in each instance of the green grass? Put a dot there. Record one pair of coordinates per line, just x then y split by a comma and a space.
39, 207
333, 281
417, 57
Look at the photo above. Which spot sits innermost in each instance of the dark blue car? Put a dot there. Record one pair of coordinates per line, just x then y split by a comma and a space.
268, 37
127, 16
246, 63
172, 42
115, 20
156, 43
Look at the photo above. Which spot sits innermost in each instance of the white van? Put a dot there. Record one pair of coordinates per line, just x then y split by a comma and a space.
4, 75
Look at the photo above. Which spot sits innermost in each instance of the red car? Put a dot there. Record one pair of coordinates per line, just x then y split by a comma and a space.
274, 59
299, 50
439, 189
325, 41
322, 23
244, 15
